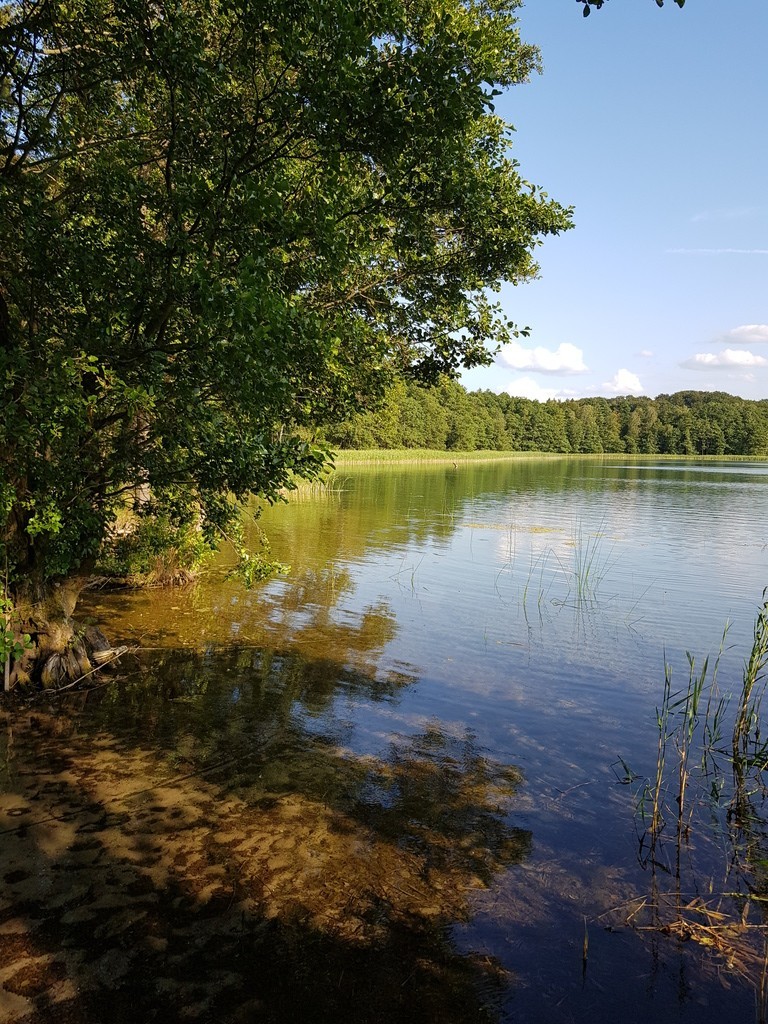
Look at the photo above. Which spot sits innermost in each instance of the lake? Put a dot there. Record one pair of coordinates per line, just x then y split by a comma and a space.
405, 781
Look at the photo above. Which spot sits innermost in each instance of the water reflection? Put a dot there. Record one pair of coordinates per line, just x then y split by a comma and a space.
330, 760
200, 844
481, 552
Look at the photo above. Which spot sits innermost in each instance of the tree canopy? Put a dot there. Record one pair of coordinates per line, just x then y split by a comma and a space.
446, 417
589, 4
223, 221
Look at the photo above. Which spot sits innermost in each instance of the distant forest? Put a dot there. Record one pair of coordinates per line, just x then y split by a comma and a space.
447, 417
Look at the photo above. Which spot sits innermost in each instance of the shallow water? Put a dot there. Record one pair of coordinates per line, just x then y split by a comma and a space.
385, 787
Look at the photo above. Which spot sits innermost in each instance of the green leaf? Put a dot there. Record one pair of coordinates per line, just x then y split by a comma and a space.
240, 233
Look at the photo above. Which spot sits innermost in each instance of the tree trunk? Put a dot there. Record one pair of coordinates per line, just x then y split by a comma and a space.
60, 651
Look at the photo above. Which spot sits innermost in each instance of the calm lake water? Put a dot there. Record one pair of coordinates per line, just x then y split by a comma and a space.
393, 784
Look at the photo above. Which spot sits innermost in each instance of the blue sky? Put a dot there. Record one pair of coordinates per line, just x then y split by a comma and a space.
653, 123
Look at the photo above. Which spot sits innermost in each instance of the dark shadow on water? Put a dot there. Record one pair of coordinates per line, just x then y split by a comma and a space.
197, 843
210, 839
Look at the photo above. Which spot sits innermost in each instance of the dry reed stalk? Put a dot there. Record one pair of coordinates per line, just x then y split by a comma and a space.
741, 947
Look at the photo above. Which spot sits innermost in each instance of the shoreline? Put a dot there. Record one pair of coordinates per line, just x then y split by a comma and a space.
369, 456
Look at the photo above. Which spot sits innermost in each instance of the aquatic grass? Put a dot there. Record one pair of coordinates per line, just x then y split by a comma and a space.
738, 944
726, 782
652, 792
747, 744
749, 751
713, 721
687, 707
356, 457
509, 564
540, 565
662, 719
309, 490
681, 723
364, 456
761, 990
627, 776
632, 622
591, 564
449, 507
584, 952
412, 569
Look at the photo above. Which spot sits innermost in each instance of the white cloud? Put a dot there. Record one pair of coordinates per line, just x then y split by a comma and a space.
719, 252
646, 354
624, 382
527, 387
565, 358
729, 357
729, 213
749, 334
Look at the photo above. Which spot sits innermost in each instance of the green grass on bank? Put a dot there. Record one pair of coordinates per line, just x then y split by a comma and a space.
349, 457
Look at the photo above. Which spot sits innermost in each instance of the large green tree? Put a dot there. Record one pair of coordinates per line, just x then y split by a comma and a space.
222, 220
587, 5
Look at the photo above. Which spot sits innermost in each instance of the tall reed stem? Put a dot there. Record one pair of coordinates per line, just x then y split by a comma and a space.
747, 725
662, 718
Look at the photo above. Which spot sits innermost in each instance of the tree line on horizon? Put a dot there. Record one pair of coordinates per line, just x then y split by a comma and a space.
447, 417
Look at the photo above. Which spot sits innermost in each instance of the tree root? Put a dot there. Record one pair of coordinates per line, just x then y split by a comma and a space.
61, 655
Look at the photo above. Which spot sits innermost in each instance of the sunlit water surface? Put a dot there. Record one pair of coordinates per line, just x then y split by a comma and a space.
455, 662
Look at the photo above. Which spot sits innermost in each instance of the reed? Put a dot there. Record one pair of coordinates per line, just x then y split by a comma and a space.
354, 457
748, 747
688, 719
662, 720
725, 781
688, 709
738, 944
591, 563
310, 490
539, 567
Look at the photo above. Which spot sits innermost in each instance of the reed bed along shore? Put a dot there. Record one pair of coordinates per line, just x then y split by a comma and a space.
354, 457
357, 457
709, 793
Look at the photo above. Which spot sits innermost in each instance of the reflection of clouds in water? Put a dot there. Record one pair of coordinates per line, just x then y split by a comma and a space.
533, 542
652, 529
543, 559
393, 720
